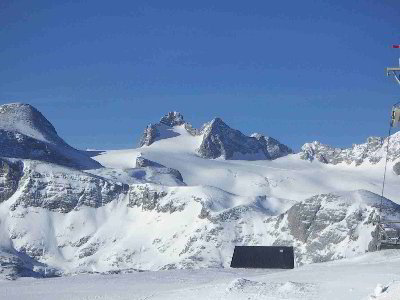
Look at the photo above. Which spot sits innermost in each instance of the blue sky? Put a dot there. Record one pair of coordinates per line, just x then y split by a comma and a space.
299, 71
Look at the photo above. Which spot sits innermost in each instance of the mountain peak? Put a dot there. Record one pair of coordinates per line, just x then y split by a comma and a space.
26, 119
373, 150
172, 119
25, 133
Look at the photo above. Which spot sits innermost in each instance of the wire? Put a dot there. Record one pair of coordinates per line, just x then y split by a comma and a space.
384, 173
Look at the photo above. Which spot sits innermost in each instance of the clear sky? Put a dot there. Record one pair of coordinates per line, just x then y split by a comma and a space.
299, 71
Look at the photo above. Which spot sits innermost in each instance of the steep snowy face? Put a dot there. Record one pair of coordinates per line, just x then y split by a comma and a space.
219, 140
373, 150
26, 133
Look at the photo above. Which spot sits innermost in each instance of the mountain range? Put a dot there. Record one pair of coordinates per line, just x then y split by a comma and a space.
183, 199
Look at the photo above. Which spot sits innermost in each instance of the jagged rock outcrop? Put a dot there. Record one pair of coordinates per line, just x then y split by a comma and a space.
272, 146
396, 168
179, 227
142, 162
373, 150
219, 140
149, 136
58, 189
26, 133
172, 119
10, 175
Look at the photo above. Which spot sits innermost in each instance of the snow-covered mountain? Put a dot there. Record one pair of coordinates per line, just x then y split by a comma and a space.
183, 199
373, 151
26, 133
218, 139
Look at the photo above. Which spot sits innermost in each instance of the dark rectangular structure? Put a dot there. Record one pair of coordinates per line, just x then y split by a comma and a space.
265, 257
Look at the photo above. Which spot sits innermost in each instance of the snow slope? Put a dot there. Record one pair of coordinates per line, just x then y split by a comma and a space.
371, 276
288, 177
72, 221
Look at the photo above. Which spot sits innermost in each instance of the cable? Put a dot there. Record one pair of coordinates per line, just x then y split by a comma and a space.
384, 173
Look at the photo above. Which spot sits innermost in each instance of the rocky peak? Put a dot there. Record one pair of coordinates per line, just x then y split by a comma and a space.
149, 135
373, 150
25, 133
153, 132
272, 146
219, 140
27, 120
172, 119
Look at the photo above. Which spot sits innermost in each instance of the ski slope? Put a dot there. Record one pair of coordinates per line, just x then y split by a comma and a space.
370, 276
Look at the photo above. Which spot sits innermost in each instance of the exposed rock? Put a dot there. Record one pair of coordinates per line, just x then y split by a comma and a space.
219, 140
142, 162
149, 135
373, 150
157, 169
396, 168
172, 119
149, 199
10, 174
272, 147
63, 190
161, 130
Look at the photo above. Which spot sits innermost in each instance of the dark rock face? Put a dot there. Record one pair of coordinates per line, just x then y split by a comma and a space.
142, 162
172, 119
272, 146
10, 175
396, 168
149, 135
222, 141
64, 190
150, 199
25, 133
373, 150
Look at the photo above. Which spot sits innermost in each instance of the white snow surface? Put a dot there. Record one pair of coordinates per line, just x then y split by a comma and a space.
196, 224
287, 177
370, 276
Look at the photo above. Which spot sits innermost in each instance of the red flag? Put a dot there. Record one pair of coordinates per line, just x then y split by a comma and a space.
396, 46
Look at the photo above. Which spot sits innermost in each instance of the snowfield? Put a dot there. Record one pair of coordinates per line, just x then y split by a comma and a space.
370, 276
288, 177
